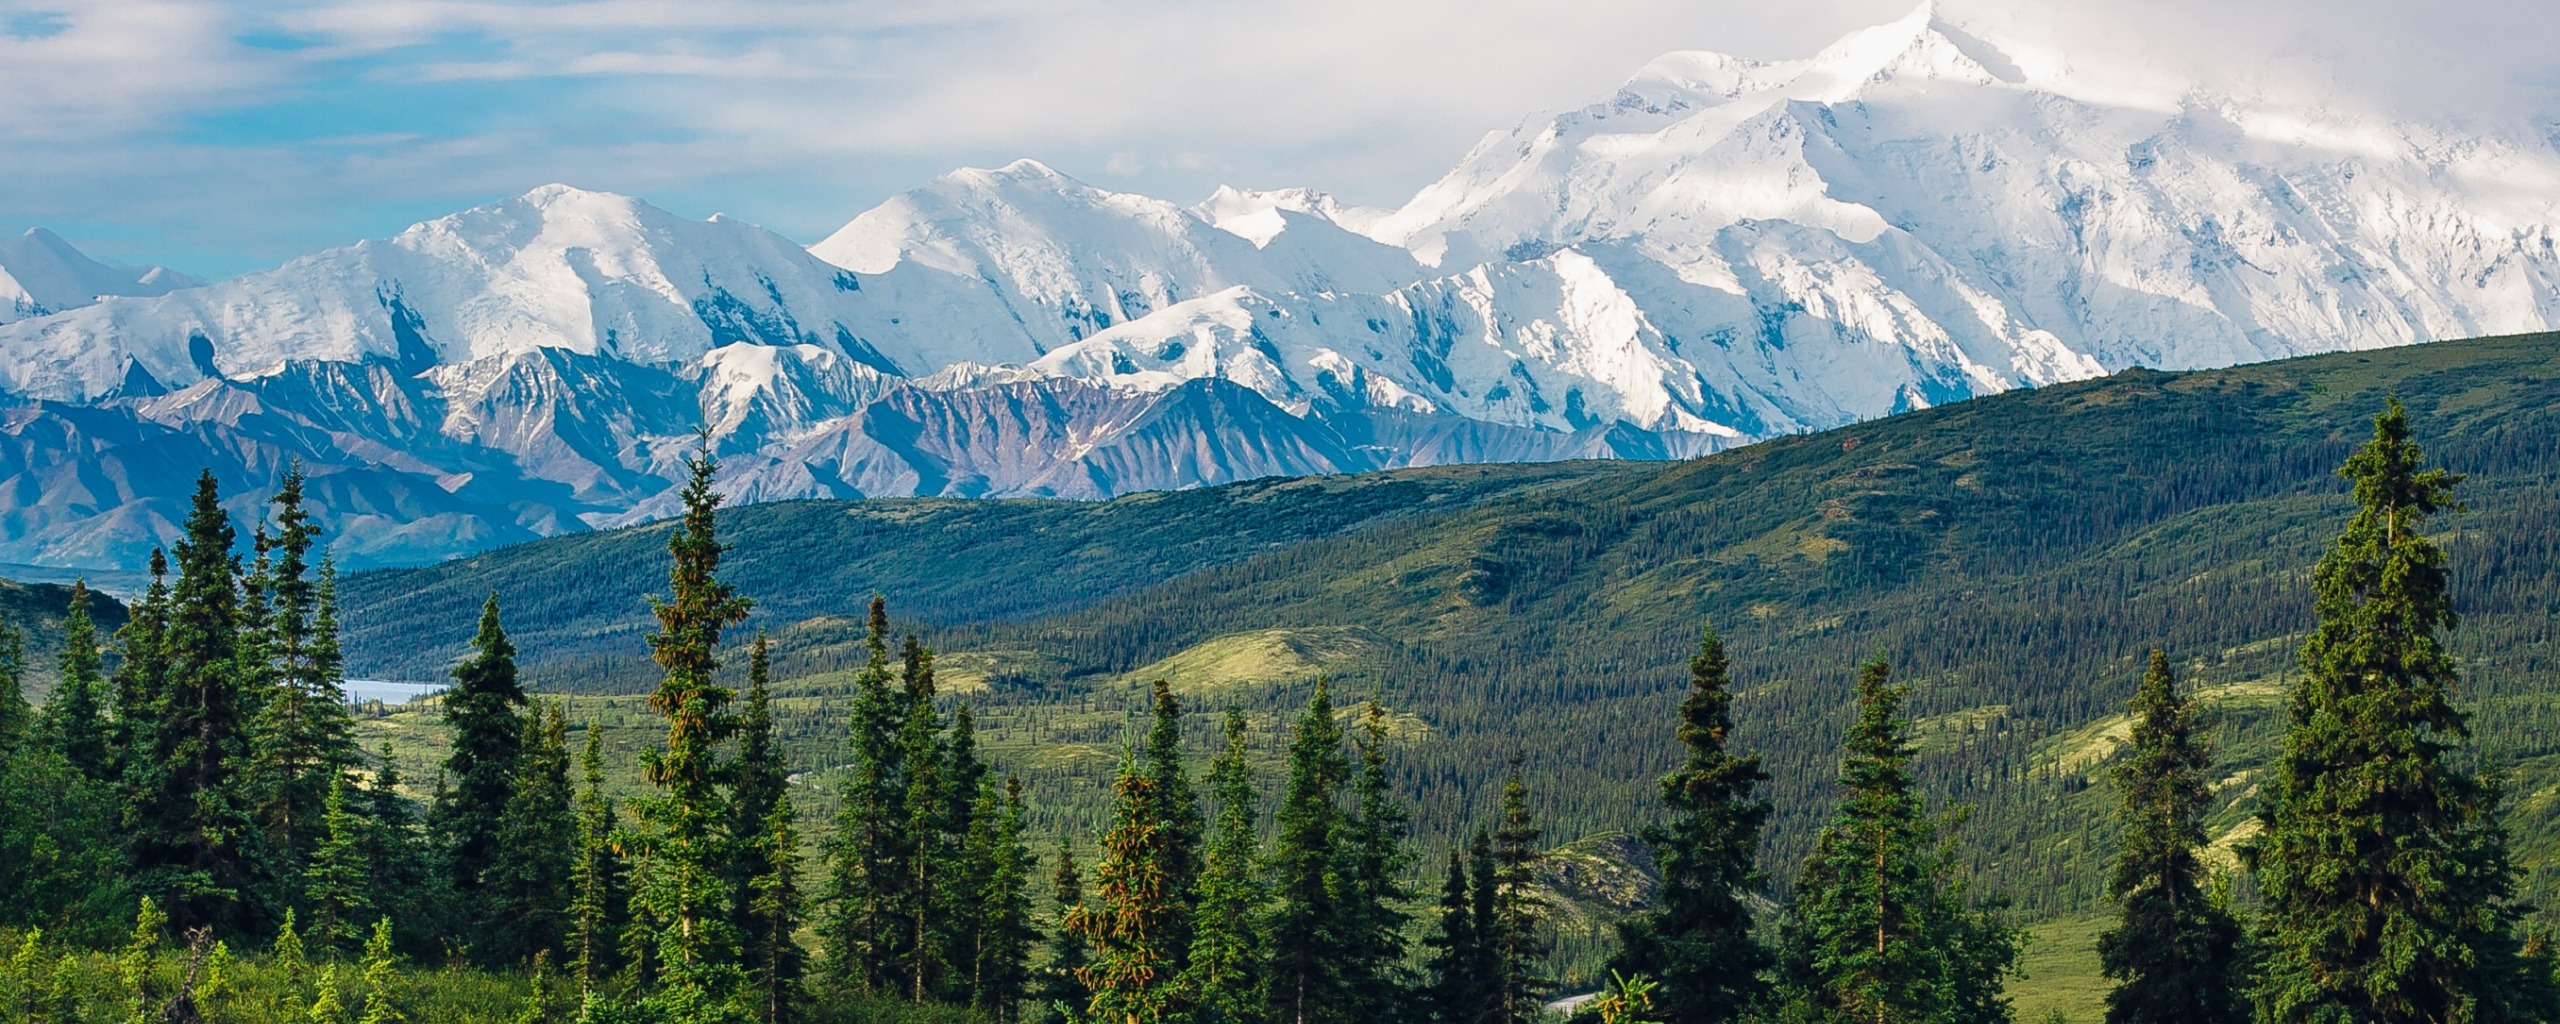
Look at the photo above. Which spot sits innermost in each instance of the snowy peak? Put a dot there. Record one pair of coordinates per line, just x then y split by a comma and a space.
1720, 249
1918, 46
592, 273
1258, 216
41, 273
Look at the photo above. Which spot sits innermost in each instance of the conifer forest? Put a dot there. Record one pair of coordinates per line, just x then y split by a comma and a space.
739, 802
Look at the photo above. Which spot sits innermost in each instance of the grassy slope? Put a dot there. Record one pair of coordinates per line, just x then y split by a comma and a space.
579, 604
2014, 556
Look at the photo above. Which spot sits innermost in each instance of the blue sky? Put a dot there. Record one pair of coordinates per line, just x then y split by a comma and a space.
219, 137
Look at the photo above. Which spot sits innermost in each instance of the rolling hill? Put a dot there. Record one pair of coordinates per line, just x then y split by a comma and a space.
2014, 556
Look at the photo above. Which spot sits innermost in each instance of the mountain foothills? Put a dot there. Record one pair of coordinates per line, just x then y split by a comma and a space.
2056, 652
1721, 250
2015, 558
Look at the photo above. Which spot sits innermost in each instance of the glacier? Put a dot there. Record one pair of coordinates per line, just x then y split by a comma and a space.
1719, 250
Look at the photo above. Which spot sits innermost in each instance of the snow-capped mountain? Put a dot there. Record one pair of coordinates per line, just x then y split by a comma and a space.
40, 274
1721, 249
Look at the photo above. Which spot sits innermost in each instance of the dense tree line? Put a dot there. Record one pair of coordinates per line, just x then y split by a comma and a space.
208, 791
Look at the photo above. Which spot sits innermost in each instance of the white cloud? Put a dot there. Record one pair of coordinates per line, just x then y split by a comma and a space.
69, 71
798, 113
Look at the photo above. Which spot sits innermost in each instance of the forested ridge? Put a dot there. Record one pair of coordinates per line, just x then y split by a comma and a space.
1227, 785
2015, 557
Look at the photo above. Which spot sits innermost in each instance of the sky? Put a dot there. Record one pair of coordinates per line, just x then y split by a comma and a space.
219, 137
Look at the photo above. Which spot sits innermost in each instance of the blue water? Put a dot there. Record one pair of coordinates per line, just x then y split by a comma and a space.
361, 690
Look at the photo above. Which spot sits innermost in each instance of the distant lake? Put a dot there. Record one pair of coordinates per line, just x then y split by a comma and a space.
361, 690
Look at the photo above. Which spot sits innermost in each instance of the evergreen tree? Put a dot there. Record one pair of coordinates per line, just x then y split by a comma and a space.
1375, 860
484, 708
1223, 980
253, 668
303, 726
597, 885
684, 835
866, 858
17, 717
74, 721
773, 956
140, 680
923, 812
2387, 886
762, 777
1133, 970
405, 882
1515, 937
1306, 927
971, 834
1877, 932
189, 831
964, 775
1001, 975
962, 929
1698, 944
1455, 988
1486, 902
529, 888
1064, 996
768, 898
1178, 808
2174, 953
337, 885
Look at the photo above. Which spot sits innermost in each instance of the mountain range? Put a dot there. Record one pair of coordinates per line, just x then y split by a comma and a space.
1722, 250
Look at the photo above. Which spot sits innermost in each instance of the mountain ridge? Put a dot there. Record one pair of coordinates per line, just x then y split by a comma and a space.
1718, 251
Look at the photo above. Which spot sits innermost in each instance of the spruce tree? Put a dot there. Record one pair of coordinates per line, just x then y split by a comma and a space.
774, 960
406, 884
598, 891
17, 717
866, 855
2387, 886
140, 680
529, 888
1002, 971
964, 919
964, 774
2174, 953
1064, 997
768, 898
74, 720
911, 949
484, 708
1877, 931
1698, 943
303, 726
1130, 927
1307, 941
188, 827
1455, 989
1223, 979
337, 886
1486, 902
1373, 891
1178, 807
762, 777
1515, 938
961, 931
683, 832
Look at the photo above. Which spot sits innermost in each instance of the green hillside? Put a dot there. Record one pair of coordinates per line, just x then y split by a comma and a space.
36, 610
2014, 556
